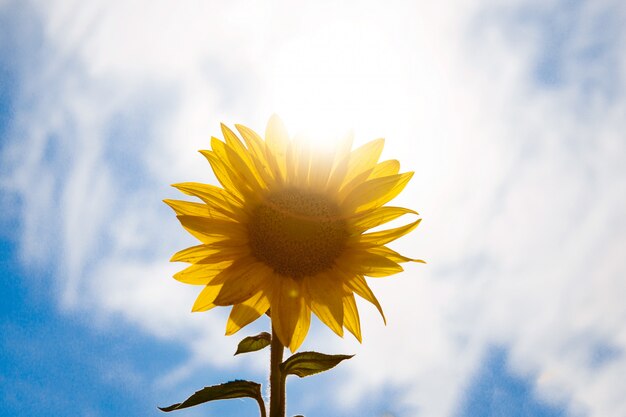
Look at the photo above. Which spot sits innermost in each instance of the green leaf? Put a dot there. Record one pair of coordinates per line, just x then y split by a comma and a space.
232, 389
311, 363
254, 343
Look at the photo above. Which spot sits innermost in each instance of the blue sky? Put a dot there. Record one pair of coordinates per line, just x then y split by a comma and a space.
512, 117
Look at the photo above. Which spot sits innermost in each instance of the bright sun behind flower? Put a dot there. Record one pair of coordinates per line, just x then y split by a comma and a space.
286, 231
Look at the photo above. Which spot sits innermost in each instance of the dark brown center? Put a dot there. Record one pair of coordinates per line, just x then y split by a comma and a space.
296, 233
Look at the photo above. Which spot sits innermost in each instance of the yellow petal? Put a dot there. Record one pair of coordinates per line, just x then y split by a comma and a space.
351, 319
340, 164
302, 327
364, 158
251, 138
382, 169
229, 179
207, 226
347, 188
242, 280
376, 217
326, 300
206, 239
225, 254
357, 284
391, 254
303, 162
290, 314
232, 140
245, 313
385, 236
204, 302
256, 147
290, 164
376, 192
321, 165
213, 196
370, 264
277, 142
385, 168
193, 254
242, 168
201, 274
210, 231
196, 254
189, 208
211, 227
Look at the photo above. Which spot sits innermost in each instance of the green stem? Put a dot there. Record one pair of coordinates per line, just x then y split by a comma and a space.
277, 380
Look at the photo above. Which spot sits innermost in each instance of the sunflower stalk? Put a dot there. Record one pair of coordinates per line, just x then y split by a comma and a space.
277, 378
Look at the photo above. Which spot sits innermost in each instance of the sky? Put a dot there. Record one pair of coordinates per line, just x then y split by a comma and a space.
511, 114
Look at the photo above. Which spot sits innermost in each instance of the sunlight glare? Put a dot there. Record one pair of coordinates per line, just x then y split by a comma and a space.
330, 83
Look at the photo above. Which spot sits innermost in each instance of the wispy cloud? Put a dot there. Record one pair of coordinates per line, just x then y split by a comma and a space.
512, 118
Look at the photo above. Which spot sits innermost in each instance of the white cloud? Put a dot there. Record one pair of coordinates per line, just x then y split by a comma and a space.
521, 185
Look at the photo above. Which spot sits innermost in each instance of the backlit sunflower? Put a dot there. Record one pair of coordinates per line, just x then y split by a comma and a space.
287, 231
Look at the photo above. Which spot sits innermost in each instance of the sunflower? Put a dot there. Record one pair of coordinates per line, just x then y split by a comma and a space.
286, 233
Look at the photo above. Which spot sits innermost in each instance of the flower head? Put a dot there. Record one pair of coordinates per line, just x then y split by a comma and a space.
286, 232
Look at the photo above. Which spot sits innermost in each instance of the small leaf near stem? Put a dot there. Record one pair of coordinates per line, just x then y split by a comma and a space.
310, 363
254, 343
228, 390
